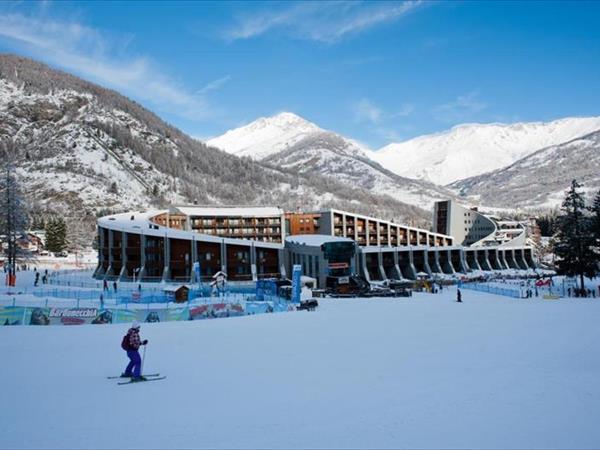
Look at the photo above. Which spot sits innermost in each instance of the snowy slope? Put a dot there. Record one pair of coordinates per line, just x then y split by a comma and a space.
540, 179
68, 160
472, 149
423, 372
290, 142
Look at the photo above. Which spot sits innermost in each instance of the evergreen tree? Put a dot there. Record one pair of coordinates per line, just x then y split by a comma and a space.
13, 216
574, 246
595, 219
56, 235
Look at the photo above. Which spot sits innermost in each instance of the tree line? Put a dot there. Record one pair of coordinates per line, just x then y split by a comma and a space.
577, 238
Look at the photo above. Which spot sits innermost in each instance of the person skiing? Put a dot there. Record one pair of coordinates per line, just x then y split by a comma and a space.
37, 279
458, 296
131, 344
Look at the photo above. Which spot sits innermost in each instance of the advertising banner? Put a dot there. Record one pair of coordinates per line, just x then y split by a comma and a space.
296, 283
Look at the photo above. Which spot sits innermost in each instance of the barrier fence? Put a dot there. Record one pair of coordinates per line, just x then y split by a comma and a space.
37, 315
483, 287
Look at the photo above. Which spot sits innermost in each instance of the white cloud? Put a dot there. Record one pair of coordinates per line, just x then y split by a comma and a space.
327, 22
460, 109
406, 109
365, 111
214, 85
103, 59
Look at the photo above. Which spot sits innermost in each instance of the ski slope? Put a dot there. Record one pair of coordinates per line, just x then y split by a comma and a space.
420, 372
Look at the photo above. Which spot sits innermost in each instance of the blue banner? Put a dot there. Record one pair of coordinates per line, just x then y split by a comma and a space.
296, 283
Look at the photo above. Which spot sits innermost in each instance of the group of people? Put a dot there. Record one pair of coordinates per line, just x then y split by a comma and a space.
36, 282
585, 293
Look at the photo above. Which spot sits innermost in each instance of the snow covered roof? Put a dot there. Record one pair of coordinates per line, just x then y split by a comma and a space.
315, 239
228, 211
139, 222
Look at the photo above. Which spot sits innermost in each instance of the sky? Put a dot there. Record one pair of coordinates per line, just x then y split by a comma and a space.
378, 72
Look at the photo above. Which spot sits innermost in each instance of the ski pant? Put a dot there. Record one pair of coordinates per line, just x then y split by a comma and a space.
135, 363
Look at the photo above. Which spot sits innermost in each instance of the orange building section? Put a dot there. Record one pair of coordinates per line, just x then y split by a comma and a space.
302, 223
176, 221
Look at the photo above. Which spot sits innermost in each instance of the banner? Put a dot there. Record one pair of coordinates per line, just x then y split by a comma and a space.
296, 283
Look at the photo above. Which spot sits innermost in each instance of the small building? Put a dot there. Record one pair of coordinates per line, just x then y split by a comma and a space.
177, 294
321, 256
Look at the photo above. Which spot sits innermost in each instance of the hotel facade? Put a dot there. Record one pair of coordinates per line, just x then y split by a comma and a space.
251, 243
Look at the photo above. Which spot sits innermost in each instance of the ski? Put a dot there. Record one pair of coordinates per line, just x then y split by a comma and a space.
146, 375
143, 381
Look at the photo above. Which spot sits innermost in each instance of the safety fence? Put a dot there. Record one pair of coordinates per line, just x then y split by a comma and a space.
36, 315
484, 287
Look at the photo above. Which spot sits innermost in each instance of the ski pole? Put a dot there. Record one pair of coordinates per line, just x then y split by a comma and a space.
143, 358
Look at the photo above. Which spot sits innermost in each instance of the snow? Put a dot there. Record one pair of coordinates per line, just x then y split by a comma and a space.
241, 211
472, 149
315, 239
419, 372
265, 136
288, 141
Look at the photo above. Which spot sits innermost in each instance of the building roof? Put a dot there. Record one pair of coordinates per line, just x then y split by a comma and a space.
229, 211
315, 240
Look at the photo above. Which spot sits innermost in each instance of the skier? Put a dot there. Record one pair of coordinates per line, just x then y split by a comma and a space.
37, 279
458, 296
105, 286
131, 344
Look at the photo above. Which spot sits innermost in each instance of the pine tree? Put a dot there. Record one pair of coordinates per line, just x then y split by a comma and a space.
574, 246
595, 219
13, 216
595, 227
56, 235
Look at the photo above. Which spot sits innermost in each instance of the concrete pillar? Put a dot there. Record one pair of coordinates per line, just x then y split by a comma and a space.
281, 260
412, 262
223, 256
142, 272
397, 266
253, 268
167, 259
123, 274
382, 273
363, 266
110, 253
99, 272
436, 260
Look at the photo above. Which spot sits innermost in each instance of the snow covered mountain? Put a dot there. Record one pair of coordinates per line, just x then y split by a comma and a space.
80, 148
473, 149
265, 136
540, 179
287, 141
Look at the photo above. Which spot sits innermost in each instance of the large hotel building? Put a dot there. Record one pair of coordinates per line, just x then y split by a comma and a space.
250, 243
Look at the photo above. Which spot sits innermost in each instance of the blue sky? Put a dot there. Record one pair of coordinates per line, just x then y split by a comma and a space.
374, 71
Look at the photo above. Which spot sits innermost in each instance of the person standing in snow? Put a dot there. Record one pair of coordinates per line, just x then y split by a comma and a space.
458, 296
131, 344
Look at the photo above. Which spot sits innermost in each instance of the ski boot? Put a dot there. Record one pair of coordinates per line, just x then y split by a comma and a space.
140, 378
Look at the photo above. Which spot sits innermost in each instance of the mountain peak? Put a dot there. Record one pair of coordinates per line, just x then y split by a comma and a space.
265, 136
